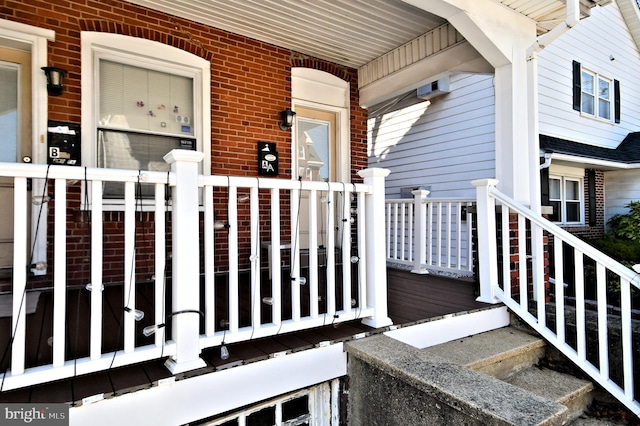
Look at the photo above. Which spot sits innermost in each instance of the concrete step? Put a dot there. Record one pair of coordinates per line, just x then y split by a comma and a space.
498, 353
576, 394
511, 355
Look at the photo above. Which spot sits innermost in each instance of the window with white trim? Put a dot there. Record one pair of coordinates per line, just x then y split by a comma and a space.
566, 197
595, 95
141, 99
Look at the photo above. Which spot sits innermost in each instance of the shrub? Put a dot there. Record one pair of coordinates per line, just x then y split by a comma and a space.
627, 226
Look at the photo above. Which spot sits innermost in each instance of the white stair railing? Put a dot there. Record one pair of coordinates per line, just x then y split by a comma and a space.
589, 333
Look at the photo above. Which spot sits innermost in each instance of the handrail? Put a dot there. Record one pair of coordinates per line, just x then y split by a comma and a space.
593, 358
569, 238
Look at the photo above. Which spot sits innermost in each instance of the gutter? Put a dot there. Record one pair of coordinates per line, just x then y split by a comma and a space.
603, 164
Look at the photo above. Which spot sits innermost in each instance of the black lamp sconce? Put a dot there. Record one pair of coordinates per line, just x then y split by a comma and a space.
287, 119
54, 80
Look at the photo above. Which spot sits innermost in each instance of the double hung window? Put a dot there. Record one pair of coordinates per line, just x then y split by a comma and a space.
595, 95
143, 99
565, 195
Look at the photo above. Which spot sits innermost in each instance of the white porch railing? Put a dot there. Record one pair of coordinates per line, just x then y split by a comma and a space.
212, 229
604, 350
430, 233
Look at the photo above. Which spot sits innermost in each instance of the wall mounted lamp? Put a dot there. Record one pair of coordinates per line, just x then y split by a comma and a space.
287, 119
54, 80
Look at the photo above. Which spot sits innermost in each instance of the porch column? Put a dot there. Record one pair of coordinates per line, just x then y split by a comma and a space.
185, 286
487, 245
420, 220
376, 257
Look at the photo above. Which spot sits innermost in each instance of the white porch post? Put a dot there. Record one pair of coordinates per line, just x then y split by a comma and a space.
487, 245
376, 257
420, 231
185, 262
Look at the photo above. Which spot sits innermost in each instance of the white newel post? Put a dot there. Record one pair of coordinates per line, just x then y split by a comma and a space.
376, 257
487, 245
420, 220
185, 283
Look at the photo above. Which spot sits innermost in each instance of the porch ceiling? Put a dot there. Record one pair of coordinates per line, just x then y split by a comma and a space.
347, 32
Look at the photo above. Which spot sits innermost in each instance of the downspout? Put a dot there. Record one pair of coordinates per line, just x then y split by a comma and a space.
572, 18
537, 245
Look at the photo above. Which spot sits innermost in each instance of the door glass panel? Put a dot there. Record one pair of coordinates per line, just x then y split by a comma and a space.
9, 112
313, 150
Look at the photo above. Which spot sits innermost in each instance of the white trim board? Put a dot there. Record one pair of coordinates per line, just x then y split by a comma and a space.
451, 327
184, 401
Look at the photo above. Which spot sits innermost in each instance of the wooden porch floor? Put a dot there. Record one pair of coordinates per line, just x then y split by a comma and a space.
411, 298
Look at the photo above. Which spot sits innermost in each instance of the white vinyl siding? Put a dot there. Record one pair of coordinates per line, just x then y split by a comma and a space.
444, 145
622, 186
557, 118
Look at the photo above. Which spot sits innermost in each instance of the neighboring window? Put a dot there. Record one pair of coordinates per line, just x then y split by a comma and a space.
293, 410
143, 99
595, 95
565, 195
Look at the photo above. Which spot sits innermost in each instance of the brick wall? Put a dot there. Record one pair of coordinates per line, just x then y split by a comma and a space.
250, 85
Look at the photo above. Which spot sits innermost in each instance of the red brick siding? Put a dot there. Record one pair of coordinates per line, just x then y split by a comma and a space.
250, 84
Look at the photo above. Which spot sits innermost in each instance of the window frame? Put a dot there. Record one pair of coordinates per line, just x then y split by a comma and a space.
141, 53
613, 100
564, 178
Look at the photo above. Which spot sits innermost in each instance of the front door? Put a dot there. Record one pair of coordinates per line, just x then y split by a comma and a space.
15, 137
316, 161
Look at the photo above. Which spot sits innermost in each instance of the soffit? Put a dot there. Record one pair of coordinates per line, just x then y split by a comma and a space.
346, 32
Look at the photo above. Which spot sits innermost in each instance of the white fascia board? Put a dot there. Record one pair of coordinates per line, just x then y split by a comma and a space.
592, 162
187, 400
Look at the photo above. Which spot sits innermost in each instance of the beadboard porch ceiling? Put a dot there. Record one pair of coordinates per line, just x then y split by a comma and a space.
347, 32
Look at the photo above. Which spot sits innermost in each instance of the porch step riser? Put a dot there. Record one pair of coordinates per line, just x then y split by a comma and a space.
512, 356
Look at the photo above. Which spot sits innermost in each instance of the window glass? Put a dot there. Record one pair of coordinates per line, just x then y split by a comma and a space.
554, 189
604, 100
565, 195
572, 190
264, 417
145, 100
9, 112
143, 114
587, 93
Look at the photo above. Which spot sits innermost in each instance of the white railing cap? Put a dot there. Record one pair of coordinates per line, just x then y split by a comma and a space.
183, 155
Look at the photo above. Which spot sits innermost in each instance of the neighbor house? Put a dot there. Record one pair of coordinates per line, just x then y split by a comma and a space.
197, 225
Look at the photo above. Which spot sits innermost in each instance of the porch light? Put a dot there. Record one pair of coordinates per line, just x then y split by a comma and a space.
287, 119
137, 313
54, 80
267, 301
355, 259
151, 329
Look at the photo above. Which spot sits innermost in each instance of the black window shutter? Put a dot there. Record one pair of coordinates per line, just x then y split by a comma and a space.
616, 100
577, 86
544, 187
591, 188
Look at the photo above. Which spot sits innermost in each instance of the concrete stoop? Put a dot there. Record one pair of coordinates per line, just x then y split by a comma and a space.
490, 378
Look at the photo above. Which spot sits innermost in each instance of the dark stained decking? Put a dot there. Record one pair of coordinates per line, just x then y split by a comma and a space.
411, 298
